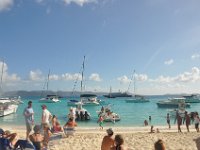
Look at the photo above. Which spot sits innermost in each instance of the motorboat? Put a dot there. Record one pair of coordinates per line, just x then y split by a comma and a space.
79, 113
108, 115
137, 99
173, 103
7, 107
193, 98
50, 99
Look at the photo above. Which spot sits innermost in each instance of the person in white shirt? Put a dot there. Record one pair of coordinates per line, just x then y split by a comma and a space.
46, 115
29, 118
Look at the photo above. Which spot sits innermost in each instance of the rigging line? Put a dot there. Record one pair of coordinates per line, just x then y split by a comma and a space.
81, 71
132, 77
75, 82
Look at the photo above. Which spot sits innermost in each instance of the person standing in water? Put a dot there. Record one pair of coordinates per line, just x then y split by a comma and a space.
168, 120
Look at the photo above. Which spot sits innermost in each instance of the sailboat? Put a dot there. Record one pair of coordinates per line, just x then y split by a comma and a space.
7, 106
136, 98
81, 113
86, 99
49, 98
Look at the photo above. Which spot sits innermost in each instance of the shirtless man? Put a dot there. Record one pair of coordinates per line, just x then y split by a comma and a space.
108, 140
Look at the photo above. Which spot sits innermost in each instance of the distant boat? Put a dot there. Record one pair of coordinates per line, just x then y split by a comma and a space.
49, 98
193, 98
173, 103
136, 98
118, 94
7, 107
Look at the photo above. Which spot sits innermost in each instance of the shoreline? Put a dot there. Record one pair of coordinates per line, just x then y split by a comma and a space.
136, 138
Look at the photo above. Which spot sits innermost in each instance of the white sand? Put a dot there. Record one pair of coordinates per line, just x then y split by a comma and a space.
136, 138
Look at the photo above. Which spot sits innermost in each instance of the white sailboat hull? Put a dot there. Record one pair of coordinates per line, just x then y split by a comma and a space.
9, 110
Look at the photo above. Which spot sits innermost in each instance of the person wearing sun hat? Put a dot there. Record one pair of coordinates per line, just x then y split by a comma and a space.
108, 140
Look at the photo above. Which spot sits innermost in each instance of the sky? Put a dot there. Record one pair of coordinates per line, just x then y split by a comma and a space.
159, 39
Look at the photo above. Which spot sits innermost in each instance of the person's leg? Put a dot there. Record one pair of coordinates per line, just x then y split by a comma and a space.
28, 130
13, 139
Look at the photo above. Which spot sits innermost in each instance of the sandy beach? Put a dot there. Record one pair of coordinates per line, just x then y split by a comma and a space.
136, 138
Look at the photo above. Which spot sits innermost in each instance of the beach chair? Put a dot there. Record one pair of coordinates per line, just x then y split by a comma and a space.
69, 131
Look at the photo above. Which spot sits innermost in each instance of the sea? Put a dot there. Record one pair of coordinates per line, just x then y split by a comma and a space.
132, 114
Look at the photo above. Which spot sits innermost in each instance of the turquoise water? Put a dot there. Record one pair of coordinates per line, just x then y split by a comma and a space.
132, 114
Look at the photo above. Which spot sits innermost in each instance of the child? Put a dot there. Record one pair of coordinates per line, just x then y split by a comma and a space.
100, 121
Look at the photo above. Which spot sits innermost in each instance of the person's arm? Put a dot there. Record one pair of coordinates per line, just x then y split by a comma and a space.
43, 117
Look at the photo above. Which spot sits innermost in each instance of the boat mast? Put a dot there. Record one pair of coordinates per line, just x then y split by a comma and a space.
134, 82
2, 70
48, 80
83, 68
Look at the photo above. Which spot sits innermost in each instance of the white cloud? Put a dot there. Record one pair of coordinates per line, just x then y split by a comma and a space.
71, 77
54, 77
6, 4
39, 1
79, 2
169, 62
195, 56
36, 75
95, 77
141, 77
185, 77
124, 79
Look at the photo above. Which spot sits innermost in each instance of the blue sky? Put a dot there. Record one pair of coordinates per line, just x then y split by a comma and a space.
159, 39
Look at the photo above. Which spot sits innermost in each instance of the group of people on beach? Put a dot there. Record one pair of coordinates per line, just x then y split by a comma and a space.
42, 133
186, 119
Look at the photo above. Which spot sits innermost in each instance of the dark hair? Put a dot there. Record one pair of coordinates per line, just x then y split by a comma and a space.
119, 139
159, 145
29, 102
